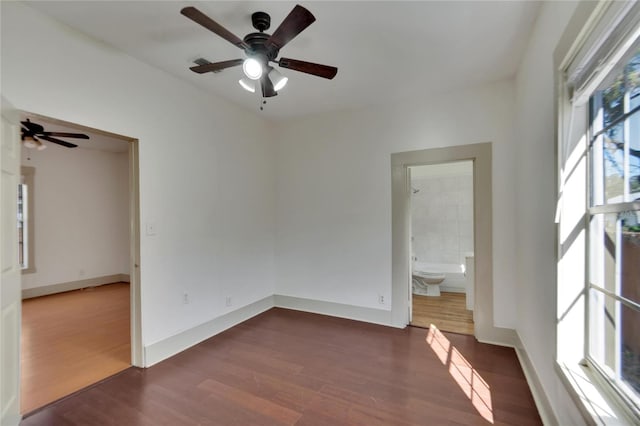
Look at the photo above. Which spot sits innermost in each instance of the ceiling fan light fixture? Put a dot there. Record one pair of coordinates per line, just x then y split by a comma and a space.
29, 142
247, 85
277, 79
252, 68
41, 146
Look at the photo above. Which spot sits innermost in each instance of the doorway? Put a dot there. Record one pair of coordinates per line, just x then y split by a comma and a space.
480, 154
442, 257
80, 280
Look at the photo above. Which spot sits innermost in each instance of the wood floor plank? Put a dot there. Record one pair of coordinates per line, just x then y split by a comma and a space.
71, 340
286, 367
250, 401
448, 312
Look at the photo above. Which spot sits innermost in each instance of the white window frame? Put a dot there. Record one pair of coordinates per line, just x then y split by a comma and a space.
599, 208
603, 35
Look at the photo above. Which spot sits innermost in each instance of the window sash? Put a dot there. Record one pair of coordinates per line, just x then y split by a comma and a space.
629, 303
597, 205
616, 386
614, 123
615, 23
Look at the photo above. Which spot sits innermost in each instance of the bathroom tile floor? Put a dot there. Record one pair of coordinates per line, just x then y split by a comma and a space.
447, 312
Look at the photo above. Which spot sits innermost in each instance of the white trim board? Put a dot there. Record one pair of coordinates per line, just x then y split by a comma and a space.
73, 285
173, 345
339, 310
539, 396
452, 289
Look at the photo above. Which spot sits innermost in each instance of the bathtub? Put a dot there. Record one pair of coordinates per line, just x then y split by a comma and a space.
454, 281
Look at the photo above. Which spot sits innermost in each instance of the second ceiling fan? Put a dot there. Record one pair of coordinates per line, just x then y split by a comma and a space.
262, 49
33, 132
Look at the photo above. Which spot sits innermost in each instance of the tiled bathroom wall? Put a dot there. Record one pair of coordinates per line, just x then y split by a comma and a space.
442, 215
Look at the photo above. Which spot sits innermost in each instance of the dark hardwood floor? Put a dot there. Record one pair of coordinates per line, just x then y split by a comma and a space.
285, 367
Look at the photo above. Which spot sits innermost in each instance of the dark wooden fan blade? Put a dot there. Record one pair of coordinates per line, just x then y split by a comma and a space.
58, 141
295, 22
200, 18
267, 87
216, 66
33, 127
324, 71
65, 135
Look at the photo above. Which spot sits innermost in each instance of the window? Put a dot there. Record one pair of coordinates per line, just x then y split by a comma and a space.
26, 206
598, 255
23, 232
614, 228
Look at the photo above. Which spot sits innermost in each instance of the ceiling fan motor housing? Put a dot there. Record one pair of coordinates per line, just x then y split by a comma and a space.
256, 42
261, 21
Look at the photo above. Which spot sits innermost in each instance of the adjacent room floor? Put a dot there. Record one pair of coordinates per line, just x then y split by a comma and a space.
286, 367
447, 312
71, 340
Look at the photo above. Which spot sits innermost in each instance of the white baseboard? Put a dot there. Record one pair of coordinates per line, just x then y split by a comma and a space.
166, 348
358, 313
539, 396
451, 289
73, 285
12, 421
497, 336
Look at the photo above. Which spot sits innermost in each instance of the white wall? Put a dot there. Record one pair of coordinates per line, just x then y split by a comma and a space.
536, 164
334, 192
81, 216
442, 213
206, 167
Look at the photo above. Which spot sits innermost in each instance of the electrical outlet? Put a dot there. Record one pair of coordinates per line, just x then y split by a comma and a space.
185, 298
381, 299
151, 228
228, 301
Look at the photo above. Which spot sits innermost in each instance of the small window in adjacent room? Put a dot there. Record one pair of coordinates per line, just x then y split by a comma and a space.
23, 255
26, 189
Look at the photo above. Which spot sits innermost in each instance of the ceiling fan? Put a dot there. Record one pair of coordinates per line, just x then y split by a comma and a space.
261, 50
33, 132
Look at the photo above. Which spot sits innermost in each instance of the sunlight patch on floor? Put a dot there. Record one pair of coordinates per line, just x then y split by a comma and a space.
468, 378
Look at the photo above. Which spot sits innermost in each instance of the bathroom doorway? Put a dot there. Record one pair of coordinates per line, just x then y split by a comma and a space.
442, 246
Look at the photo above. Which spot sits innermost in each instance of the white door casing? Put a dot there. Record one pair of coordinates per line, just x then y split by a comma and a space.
408, 194
10, 278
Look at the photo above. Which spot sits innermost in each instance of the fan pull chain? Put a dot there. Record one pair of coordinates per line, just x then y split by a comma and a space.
264, 102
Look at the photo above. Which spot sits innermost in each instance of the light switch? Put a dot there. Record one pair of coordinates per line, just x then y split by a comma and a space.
151, 228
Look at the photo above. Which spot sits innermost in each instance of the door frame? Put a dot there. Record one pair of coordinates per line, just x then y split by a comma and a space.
480, 154
137, 352
11, 274
410, 180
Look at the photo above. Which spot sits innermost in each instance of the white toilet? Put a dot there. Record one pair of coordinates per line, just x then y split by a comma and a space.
427, 283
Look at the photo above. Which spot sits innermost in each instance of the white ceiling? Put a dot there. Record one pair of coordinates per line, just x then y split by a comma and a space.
384, 50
